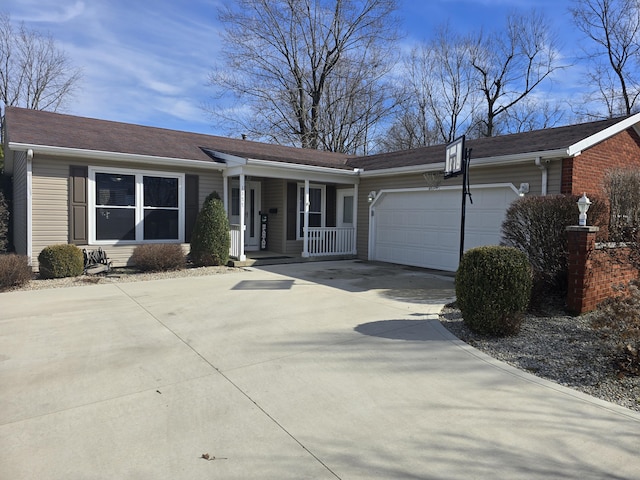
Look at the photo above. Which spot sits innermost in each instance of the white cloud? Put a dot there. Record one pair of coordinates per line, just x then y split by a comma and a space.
142, 62
148, 61
47, 11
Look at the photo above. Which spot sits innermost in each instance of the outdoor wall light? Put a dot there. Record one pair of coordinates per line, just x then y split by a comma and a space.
583, 206
524, 188
372, 196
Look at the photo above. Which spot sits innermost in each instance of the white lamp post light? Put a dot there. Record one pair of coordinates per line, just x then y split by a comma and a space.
583, 206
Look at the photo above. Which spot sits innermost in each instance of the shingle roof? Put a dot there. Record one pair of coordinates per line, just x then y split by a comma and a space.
33, 127
518, 143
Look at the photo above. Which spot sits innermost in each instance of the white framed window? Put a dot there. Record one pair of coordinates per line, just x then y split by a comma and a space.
317, 206
135, 206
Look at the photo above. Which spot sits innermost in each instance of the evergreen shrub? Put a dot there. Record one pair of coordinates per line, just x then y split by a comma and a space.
59, 261
210, 240
493, 288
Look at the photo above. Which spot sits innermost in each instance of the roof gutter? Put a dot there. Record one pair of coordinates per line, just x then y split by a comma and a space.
113, 156
479, 162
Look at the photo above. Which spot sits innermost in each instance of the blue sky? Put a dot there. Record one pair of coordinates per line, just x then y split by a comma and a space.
147, 61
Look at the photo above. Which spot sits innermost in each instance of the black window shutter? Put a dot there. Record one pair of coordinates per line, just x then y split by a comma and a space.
292, 210
192, 205
78, 207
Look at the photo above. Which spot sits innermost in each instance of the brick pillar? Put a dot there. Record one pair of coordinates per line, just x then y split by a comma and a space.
581, 242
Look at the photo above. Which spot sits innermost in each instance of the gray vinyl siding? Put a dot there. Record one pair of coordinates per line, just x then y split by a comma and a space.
19, 213
554, 178
50, 200
209, 182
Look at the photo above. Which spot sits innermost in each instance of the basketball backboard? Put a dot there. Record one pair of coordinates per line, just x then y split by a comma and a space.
453, 157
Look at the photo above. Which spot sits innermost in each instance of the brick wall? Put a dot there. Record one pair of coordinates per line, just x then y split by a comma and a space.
586, 172
593, 273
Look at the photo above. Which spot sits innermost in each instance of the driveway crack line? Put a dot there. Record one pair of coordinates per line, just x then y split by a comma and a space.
237, 387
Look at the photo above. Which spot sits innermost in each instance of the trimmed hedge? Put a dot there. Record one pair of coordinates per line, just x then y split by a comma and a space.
493, 289
59, 261
210, 240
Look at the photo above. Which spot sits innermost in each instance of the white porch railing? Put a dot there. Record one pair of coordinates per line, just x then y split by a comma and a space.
234, 250
323, 241
331, 241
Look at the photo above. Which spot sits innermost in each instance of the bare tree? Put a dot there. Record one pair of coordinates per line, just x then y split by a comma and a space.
309, 72
533, 114
410, 129
34, 73
352, 107
511, 64
446, 82
438, 95
614, 27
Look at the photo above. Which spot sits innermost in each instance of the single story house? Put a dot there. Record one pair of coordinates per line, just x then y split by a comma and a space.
97, 183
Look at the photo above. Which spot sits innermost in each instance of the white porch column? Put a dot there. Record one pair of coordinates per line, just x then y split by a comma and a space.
242, 256
355, 219
305, 229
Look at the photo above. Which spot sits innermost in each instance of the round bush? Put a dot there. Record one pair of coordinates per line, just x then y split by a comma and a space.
210, 240
59, 261
493, 289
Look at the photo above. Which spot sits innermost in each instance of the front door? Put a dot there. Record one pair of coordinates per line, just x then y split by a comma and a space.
251, 212
252, 216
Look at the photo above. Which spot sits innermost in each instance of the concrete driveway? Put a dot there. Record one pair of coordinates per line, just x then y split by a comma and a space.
305, 371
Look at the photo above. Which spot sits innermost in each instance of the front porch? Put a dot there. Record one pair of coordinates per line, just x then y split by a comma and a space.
290, 215
317, 242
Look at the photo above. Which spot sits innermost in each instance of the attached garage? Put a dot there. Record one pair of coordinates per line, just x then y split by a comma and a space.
421, 227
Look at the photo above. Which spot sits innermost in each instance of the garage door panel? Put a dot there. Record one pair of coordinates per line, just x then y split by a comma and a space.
422, 228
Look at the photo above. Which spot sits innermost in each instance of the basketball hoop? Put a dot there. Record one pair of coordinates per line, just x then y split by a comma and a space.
456, 162
454, 156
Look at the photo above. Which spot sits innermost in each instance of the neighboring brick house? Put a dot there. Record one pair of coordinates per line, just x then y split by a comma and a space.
586, 170
106, 184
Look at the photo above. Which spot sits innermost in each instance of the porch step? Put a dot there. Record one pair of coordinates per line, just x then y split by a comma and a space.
280, 260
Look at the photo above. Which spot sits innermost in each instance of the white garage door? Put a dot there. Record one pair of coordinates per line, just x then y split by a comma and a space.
422, 227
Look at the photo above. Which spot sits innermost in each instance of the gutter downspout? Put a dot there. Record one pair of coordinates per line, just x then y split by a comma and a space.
29, 206
545, 175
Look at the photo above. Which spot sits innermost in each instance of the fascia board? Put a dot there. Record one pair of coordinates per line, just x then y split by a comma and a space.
300, 167
579, 147
475, 162
115, 156
289, 172
293, 171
